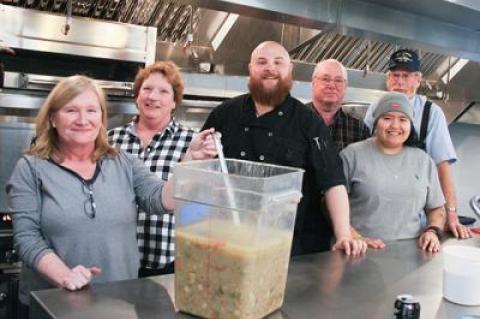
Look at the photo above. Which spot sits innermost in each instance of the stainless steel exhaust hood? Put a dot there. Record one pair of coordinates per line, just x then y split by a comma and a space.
360, 33
42, 32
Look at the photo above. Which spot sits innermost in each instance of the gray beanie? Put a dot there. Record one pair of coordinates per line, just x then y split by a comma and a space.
393, 102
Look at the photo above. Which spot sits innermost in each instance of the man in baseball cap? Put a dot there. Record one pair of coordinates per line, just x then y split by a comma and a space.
404, 60
431, 126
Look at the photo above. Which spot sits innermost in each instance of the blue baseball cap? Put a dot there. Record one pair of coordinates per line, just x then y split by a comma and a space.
404, 59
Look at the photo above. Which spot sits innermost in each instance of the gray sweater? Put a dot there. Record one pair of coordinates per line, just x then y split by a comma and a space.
49, 209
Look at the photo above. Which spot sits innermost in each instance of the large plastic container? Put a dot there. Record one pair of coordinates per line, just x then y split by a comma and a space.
233, 236
461, 274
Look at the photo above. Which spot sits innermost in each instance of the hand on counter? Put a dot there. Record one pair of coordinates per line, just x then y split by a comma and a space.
79, 277
353, 247
429, 241
60, 275
458, 230
375, 243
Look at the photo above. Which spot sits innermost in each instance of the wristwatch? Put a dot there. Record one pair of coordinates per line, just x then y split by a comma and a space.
451, 209
434, 229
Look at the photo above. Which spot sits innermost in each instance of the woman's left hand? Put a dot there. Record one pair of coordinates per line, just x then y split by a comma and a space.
429, 241
351, 247
202, 146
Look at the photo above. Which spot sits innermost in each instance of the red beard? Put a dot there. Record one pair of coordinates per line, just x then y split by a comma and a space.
271, 97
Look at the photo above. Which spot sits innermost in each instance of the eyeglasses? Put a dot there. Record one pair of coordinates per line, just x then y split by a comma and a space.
337, 81
89, 206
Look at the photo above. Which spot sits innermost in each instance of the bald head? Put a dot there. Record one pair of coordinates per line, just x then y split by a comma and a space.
270, 48
270, 71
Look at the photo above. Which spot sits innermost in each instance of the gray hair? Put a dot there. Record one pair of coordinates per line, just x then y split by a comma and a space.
330, 61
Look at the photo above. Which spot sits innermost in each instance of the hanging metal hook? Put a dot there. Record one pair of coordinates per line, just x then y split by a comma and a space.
366, 70
189, 39
68, 23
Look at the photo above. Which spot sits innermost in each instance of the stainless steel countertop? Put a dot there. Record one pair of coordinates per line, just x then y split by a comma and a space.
326, 285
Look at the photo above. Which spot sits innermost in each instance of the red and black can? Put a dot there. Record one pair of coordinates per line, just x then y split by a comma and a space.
406, 307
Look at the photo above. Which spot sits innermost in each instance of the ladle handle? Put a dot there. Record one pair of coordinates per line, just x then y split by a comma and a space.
217, 136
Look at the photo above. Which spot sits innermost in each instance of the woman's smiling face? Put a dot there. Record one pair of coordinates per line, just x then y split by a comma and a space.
155, 99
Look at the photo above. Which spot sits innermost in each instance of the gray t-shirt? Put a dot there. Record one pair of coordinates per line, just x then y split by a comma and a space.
48, 204
388, 193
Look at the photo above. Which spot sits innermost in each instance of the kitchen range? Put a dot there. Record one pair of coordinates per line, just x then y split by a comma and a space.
9, 269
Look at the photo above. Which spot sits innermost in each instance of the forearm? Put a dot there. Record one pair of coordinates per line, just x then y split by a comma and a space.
167, 195
445, 177
339, 210
53, 269
436, 217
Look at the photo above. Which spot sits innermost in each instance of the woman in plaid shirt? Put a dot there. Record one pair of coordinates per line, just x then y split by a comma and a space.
159, 141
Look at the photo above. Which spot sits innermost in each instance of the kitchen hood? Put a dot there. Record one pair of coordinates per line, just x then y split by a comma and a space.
212, 36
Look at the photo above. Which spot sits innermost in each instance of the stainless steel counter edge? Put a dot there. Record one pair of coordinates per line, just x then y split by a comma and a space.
326, 285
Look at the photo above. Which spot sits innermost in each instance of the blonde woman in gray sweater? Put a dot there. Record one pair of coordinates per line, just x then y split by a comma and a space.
74, 198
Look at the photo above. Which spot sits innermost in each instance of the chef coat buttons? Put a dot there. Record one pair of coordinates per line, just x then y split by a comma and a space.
280, 113
246, 129
270, 134
149, 149
261, 157
242, 154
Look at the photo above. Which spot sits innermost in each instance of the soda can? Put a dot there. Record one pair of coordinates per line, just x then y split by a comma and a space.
406, 307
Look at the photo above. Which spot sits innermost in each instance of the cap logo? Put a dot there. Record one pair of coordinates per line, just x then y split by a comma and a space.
404, 57
395, 105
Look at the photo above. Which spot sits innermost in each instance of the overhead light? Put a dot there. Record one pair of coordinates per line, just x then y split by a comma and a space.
223, 30
449, 75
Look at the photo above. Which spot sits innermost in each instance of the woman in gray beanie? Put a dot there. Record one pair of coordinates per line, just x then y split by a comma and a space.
391, 182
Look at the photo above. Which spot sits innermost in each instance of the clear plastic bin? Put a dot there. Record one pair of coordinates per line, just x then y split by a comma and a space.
233, 236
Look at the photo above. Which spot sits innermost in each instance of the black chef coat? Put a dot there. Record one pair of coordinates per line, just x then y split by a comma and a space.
290, 135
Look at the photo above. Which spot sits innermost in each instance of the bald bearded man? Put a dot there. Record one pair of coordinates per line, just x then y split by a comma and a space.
268, 125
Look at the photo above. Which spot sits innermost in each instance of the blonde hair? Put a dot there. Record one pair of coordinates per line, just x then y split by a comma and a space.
46, 144
170, 71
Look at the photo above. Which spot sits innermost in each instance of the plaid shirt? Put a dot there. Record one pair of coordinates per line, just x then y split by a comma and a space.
155, 232
345, 129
